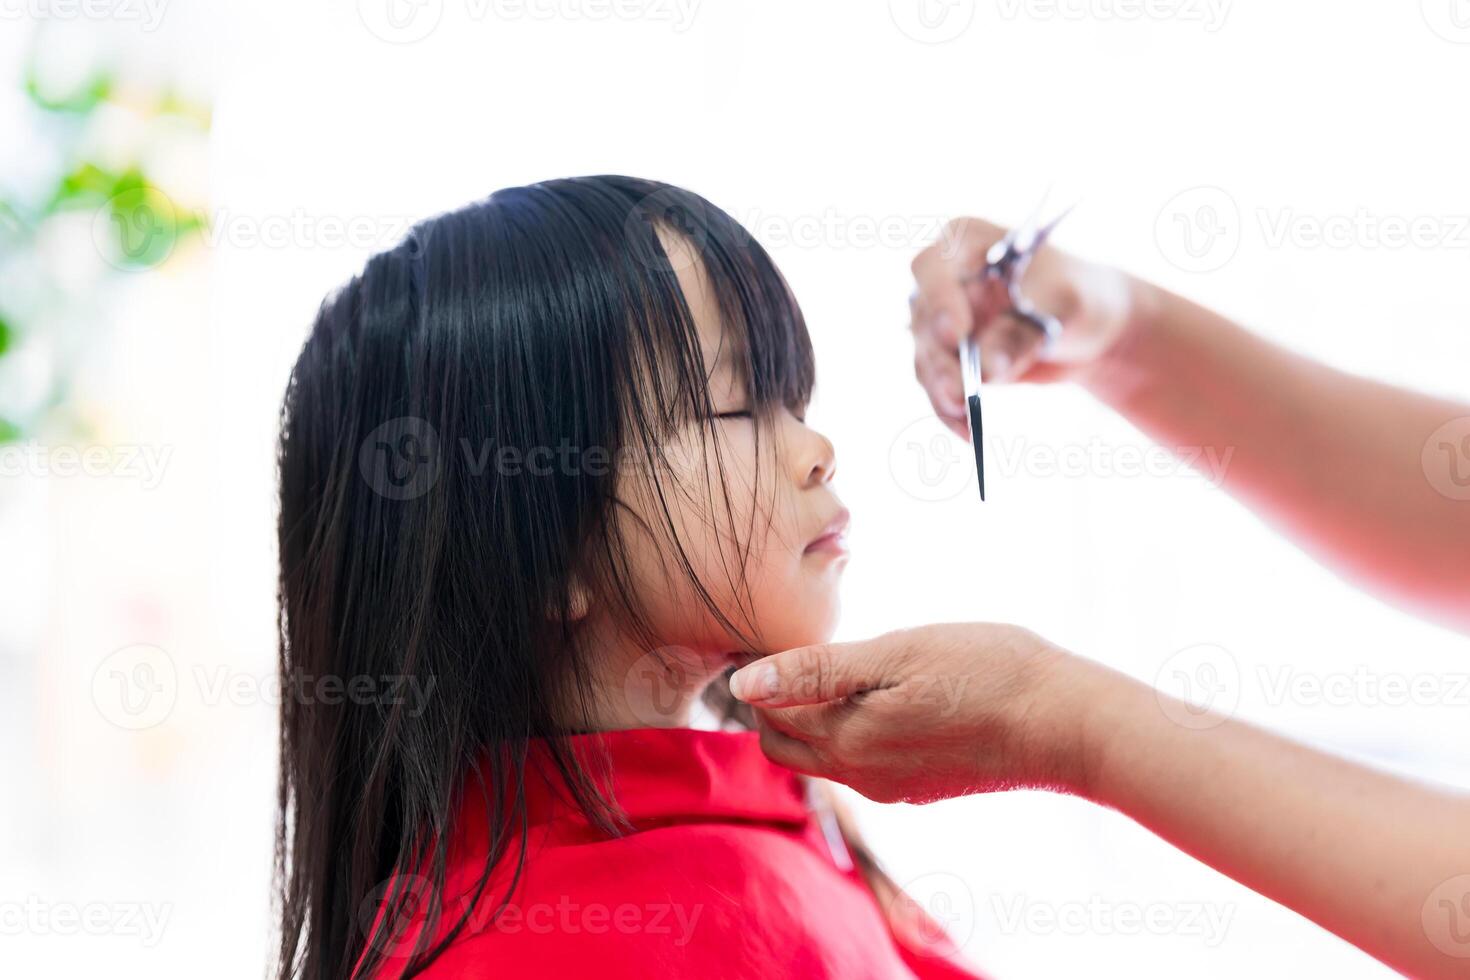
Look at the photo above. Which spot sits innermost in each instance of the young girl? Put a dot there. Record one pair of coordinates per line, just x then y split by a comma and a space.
545, 480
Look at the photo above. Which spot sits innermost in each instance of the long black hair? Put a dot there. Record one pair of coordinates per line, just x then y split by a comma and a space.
543, 316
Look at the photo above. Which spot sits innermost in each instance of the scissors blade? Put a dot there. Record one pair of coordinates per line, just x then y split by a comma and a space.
970, 371
1044, 232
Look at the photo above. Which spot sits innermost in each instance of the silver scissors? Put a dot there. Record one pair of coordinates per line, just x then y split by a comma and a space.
1006, 262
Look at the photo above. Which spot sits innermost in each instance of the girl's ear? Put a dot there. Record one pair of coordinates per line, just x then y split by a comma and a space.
578, 600
581, 601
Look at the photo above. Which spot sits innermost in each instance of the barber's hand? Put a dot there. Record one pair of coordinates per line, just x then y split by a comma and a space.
929, 713
1095, 304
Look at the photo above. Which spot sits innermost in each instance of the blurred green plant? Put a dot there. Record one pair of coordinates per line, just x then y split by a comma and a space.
136, 223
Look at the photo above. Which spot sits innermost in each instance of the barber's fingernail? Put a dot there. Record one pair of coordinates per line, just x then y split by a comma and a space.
999, 365
754, 683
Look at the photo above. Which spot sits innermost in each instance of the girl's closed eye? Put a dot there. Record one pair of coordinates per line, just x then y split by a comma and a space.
745, 413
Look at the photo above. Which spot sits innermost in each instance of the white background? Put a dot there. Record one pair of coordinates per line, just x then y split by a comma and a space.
843, 135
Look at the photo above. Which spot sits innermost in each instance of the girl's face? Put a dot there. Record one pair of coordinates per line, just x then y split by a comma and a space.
773, 504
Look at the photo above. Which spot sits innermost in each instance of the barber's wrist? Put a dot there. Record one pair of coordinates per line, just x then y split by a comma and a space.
1060, 732
1106, 707
1122, 370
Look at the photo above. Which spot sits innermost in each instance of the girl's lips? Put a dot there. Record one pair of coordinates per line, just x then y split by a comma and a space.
833, 537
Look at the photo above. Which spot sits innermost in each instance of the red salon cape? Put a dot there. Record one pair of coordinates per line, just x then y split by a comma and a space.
727, 874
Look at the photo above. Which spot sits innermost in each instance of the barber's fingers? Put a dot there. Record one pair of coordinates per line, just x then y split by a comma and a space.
1009, 349
787, 751
816, 674
951, 302
938, 370
805, 737
941, 305
807, 722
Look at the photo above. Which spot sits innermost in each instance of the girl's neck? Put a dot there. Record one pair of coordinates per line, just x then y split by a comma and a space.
632, 686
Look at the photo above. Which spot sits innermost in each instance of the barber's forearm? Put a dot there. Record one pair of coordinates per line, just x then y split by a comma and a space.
1360, 852
1336, 461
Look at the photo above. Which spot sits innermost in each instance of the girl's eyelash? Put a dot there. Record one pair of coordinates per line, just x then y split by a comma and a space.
746, 413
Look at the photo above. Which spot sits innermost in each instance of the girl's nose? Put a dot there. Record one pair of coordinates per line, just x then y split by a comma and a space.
821, 460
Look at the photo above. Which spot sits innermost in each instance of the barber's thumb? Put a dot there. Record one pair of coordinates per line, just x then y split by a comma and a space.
804, 675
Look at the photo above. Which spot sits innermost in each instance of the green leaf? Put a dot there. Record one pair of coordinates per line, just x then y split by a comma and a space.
6, 336
85, 186
80, 102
